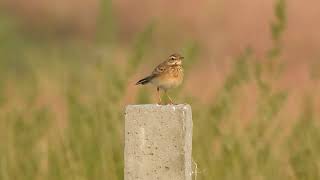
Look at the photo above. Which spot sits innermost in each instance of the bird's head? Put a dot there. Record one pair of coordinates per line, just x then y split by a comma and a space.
175, 59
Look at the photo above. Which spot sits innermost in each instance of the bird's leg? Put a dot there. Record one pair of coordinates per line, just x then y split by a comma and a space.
171, 101
159, 95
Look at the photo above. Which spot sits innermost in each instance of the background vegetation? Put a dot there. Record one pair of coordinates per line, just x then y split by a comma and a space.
62, 102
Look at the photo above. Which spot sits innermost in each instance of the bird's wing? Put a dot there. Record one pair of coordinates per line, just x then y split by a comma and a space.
160, 69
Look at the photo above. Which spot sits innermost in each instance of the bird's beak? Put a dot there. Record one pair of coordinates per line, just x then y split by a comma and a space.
182, 57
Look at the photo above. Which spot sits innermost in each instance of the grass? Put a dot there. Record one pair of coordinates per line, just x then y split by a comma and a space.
61, 115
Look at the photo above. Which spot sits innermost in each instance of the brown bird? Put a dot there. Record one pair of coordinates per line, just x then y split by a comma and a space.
167, 75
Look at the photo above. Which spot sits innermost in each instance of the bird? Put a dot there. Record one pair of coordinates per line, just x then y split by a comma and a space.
167, 75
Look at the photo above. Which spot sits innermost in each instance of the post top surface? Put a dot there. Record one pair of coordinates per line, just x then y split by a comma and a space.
157, 106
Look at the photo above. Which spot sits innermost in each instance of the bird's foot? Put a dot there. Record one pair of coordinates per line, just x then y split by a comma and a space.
172, 103
161, 103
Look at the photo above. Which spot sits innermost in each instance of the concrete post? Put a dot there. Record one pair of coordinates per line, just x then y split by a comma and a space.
158, 142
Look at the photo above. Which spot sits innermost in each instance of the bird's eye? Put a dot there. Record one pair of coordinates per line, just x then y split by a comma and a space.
172, 58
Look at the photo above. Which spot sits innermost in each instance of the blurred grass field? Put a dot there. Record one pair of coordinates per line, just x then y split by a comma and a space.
62, 103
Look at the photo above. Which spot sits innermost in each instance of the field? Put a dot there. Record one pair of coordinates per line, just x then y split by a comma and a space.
62, 103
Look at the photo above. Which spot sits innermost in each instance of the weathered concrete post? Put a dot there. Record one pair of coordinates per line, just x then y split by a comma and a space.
158, 142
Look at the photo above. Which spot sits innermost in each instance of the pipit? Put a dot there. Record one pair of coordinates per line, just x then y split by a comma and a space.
167, 75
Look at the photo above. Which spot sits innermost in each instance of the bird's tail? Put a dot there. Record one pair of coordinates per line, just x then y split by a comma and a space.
145, 80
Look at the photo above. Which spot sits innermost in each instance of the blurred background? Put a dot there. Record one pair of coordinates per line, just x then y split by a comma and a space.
68, 69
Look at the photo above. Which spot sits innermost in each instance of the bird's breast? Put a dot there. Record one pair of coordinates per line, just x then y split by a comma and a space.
171, 79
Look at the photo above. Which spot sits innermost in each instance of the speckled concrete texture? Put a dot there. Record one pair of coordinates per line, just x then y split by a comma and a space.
158, 142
